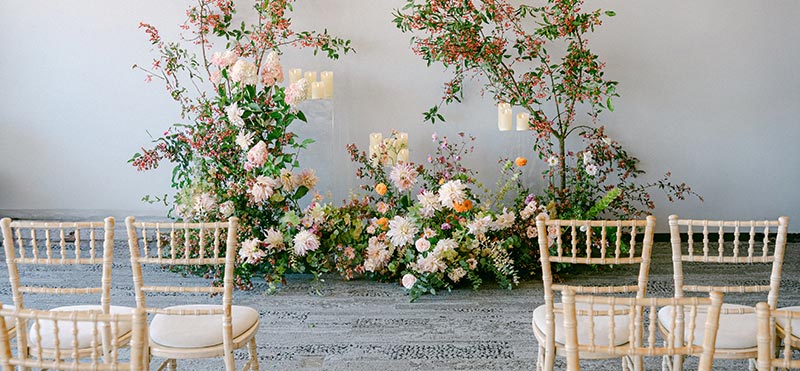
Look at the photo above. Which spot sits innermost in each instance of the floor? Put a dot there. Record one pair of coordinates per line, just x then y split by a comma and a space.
364, 325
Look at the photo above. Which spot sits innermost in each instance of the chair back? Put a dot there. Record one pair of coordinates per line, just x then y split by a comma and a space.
209, 245
729, 247
68, 354
640, 342
768, 358
59, 243
595, 242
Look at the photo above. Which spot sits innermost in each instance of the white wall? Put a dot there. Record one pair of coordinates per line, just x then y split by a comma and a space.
710, 92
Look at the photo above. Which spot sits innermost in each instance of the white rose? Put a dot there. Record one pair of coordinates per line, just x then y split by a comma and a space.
409, 280
422, 245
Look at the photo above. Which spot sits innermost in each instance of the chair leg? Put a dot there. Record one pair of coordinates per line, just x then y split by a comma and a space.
253, 354
625, 364
665, 364
677, 363
172, 365
540, 358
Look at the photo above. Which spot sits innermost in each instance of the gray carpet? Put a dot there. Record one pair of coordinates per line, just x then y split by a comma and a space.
364, 325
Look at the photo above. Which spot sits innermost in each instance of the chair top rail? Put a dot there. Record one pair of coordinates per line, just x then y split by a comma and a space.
626, 349
741, 259
181, 261
596, 223
35, 224
600, 261
728, 223
179, 225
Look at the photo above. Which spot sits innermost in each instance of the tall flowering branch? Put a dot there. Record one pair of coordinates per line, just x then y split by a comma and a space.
511, 48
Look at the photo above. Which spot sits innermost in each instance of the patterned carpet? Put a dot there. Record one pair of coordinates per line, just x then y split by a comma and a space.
363, 325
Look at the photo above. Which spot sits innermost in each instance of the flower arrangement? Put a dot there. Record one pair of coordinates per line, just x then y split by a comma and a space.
426, 226
538, 58
235, 153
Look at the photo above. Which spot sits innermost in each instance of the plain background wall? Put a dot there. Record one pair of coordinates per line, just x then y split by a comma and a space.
709, 91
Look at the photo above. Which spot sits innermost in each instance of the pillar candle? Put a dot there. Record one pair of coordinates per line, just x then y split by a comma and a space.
375, 140
500, 107
402, 156
504, 122
317, 90
403, 139
327, 78
522, 121
295, 74
311, 78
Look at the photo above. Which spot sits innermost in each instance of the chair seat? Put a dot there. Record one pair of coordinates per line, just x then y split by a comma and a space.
189, 331
65, 328
601, 325
736, 331
782, 322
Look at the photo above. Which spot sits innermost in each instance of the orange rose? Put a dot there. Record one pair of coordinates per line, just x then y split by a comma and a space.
462, 206
381, 189
521, 161
383, 222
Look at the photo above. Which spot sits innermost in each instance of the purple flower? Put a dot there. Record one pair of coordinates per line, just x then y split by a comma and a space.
530, 198
445, 226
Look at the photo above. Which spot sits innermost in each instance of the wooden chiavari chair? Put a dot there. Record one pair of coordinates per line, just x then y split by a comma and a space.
192, 331
71, 245
602, 311
738, 325
69, 331
599, 242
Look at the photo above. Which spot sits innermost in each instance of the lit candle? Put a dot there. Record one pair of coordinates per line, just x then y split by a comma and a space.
402, 156
295, 74
505, 121
500, 108
317, 90
522, 121
327, 78
403, 140
311, 78
375, 140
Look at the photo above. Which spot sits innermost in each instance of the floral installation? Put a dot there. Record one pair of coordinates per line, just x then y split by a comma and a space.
538, 58
234, 153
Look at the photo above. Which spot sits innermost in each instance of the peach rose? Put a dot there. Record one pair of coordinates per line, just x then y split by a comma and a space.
521, 161
409, 280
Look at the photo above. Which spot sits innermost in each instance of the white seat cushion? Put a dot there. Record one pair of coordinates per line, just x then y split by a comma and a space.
179, 331
85, 329
782, 322
601, 325
11, 323
736, 331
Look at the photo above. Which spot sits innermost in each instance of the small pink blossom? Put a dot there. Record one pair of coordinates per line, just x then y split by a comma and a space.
257, 156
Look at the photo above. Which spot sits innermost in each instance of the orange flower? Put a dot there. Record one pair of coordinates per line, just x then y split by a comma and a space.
521, 161
383, 222
461, 207
381, 189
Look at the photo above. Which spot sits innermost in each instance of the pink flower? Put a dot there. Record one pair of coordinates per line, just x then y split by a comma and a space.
225, 58
272, 72
403, 176
305, 241
250, 253
215, 78
296, 92
409, 280
422, 245
382, 207
257, 156
264, 188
